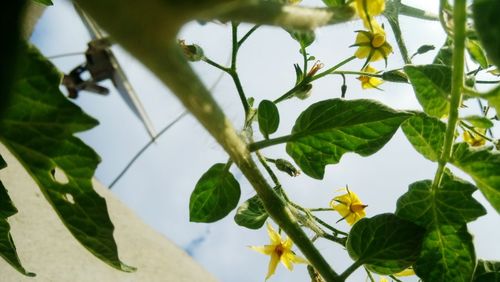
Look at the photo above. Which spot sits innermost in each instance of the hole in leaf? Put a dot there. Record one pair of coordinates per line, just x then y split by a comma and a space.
69, 198
59, 175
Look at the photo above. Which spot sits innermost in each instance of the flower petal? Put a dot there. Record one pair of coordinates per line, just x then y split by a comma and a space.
266, 250
286, 260
273, 263
275, 237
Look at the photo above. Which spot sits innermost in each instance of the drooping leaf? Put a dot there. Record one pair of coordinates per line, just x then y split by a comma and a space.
432, 86
423, 49
483, 165
479, 121
385, 242
45, 2
487, 23
215, 195
493, 98
251, 214
447, 255
477, 53
444, 56
7, 247
426, 134
269, 118
487, 271
38, 126
452, 204
328, 129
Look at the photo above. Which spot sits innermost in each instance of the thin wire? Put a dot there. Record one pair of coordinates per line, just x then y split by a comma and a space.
165, 129
65, 55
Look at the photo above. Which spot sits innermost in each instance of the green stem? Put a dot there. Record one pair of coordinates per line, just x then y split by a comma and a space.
234, 73
308, 80
473, 129
332, 69
245, 37
362, 73
417, 13
269, 142
459, 17
304, 56
268, 169
321, 209
370, 276
393, 19
351, 269
216, 65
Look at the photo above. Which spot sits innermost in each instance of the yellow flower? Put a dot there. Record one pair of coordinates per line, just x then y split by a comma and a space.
349, 206
366, 9
474, 139
369, 81
279, 250
372, 45
383, 279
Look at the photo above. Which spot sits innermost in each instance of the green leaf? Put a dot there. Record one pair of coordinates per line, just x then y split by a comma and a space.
426, 134
334, 3
452, 204
447, 255
385, 242
487, 271
304, 37
45, 2
493, 98
7, 247
432, 85
444, 56
483, 165
251, 214
38, 126
328, 129
487, 24
269, 118
479, 121
215, 195
477, 53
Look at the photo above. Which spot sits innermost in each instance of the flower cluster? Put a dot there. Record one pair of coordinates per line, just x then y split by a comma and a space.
371, 43
475, 139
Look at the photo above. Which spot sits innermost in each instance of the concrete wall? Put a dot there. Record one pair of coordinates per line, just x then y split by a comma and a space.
47, 248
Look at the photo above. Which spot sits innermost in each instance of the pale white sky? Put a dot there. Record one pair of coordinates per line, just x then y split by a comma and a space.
159, 184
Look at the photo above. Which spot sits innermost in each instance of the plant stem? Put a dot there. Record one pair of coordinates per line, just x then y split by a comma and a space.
417, 13
392, 16
233, 73
459, 17
332, 69
321, 209
351, 269
269, 142
245, 37
216, 65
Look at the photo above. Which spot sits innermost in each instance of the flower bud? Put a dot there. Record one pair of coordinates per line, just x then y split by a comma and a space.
304, 92
287, 167
395, 76
193, 52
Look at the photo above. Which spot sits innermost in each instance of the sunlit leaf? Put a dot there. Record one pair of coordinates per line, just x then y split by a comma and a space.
385, 242
487, 23
479, 121
477, 53
432, 86
452, 204
426, 134
333, 3
269, 118
328, 129
493, 98
483, 165
444, 56
216, 194
7, 247
447, 255
38, 126
487, 271
45, 2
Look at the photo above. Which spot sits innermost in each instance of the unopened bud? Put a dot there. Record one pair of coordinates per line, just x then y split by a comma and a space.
192, 52
287, 167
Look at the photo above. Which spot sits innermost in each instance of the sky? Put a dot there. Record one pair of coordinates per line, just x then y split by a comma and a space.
158, 186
